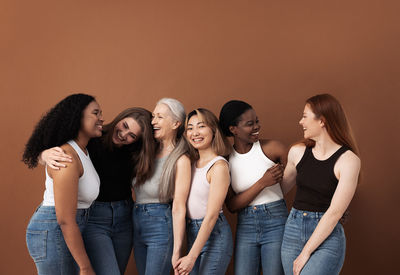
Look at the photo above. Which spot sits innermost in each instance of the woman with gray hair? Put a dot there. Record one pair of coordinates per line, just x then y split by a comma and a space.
154, 215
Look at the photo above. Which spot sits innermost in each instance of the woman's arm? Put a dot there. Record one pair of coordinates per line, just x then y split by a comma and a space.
296, 152
347, 169
182, 188
65, 186
54, 157
219, 184
275, 151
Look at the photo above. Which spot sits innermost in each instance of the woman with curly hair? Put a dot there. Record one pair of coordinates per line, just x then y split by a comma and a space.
256, 170
125, 150
53, 235
325, 168
208, 232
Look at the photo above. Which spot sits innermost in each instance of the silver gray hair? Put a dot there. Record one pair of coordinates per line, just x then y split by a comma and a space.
177, 110
167, 181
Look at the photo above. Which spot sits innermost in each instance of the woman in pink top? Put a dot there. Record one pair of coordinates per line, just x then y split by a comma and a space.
208, 232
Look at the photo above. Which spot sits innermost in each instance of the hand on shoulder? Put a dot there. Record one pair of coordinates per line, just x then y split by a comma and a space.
74, 165
70, 151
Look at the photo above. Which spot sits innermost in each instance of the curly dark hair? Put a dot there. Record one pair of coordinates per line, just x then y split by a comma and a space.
56, 127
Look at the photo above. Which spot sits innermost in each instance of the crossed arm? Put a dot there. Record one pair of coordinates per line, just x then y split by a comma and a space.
275, 151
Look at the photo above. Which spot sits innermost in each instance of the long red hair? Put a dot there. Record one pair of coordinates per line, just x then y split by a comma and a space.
327, 108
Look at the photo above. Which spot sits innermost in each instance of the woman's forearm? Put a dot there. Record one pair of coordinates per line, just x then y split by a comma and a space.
324, 228
206, 228
179, 225
242, 200
74, 241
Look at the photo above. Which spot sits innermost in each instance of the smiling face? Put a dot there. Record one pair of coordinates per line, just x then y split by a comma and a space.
164, 125
126, 131
312, 126
198, 133
92, 120
248, 128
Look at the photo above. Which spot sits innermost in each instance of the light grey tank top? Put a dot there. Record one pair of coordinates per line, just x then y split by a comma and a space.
149, 191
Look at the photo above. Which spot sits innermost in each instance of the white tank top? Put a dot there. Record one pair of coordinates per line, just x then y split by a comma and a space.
88, 185
247, 169
199, 190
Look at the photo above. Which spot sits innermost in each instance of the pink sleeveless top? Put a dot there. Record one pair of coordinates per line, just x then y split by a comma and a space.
199, 189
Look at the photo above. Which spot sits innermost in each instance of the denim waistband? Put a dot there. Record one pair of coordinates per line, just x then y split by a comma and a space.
113, 203
145, 206
294, 213
261, 207
41, 209
198, 222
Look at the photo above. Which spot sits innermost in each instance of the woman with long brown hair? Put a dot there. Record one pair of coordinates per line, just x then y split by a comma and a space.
325, 168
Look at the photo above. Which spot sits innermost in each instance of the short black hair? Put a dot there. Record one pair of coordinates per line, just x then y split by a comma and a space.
230, 113
59, 125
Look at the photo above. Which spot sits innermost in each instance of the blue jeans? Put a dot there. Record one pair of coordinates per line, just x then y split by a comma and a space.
259, 238
108, 236
216, 254
152, 238
46, 243
327, 259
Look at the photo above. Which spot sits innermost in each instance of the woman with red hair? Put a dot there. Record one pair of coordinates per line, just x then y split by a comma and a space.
325, 167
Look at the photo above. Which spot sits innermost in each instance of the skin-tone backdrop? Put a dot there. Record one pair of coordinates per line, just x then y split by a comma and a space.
271, 54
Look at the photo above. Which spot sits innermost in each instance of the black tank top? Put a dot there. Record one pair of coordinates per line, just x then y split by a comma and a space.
316, 181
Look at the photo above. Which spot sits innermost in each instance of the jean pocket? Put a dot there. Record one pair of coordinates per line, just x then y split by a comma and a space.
37, 244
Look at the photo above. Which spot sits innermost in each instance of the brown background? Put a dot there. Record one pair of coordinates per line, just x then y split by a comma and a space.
272, 54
